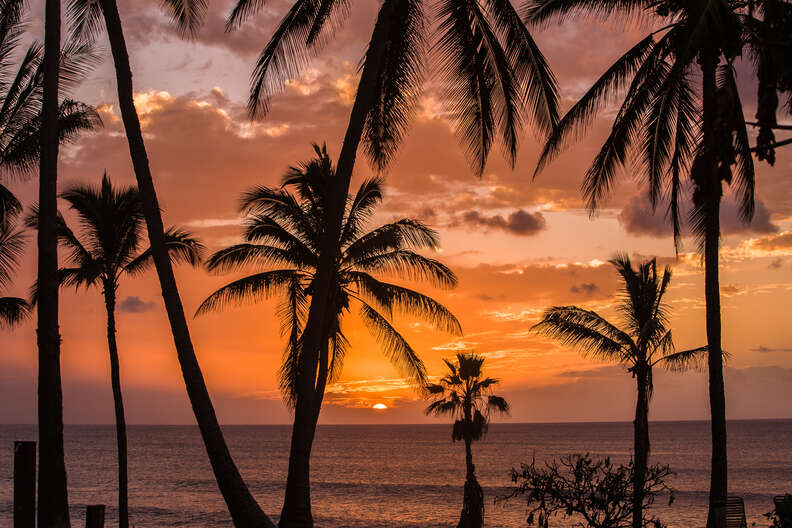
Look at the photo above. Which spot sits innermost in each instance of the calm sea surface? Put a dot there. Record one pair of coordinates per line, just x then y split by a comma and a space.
394, 476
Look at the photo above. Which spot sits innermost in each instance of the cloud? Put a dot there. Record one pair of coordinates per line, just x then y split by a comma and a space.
134, 304
585, 288
519, 222
780, 242
776, 263
637, 218
766, 350
730, 290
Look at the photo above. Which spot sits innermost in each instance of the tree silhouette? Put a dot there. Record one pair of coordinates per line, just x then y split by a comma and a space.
675, 127
643, 341
105, 249
282, 233
187, 14
466, 396
494, 77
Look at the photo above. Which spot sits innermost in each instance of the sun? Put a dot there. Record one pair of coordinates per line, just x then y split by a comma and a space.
379, 406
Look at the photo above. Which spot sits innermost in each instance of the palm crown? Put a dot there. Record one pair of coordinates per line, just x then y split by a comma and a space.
108, 244
284, 229
660, 116
20, 98
494, 73
466, 396
644, 339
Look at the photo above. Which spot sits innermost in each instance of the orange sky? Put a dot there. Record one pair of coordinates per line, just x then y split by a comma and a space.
518, 246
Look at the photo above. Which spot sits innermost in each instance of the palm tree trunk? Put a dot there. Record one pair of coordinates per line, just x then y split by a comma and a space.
296, 512
245, 511
641, 440
710, 190
472, 515
118, 401
53, 500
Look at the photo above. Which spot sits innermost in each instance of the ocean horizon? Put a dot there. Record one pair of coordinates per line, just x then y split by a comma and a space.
396, 475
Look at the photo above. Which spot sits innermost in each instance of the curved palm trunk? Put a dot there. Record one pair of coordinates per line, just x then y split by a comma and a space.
244, 510
53, 501
711, 191
120, 419
641, 446
296, 512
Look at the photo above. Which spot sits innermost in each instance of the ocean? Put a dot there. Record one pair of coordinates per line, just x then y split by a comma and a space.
389, 476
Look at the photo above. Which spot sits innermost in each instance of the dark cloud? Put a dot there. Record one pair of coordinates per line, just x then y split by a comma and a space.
585, 288
776, 264
134, 304
637, 218
520, 222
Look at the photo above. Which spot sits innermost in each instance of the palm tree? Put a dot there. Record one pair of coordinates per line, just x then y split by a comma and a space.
673, 127
495, 76
32, 124
106, 249
642, 342
467, 397
88, 16
12, 242
283, 232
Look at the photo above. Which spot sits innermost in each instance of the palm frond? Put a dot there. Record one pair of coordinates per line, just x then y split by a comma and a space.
240, 256
586, 331
186, 14
695, 358
410, 265
396, 348
401, 234
182, 247
469, 80
390, 297
12, 245
250, 289
530, 67
284, 56
582, 113
13, 311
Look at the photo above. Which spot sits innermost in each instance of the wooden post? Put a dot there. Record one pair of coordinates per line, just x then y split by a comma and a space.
95, 516
24, 484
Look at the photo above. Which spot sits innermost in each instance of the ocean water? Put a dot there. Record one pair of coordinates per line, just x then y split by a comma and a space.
389, 476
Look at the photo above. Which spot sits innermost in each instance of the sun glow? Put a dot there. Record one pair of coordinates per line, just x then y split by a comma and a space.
379, 406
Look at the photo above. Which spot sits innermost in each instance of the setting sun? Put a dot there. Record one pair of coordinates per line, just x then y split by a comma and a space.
379, 406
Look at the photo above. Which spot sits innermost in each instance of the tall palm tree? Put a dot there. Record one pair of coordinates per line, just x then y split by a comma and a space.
89, 16
642, 342
32, 124
673, 126
283, 232
467, 397
106, 248
12, 242
495, 77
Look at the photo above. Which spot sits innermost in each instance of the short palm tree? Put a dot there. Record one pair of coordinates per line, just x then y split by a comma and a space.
466, 396
12, 242
642, 342
495, 78
106, 248
283, 232
90, 18
681, 114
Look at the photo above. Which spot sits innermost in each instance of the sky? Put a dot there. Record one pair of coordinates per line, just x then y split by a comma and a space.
517, 244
